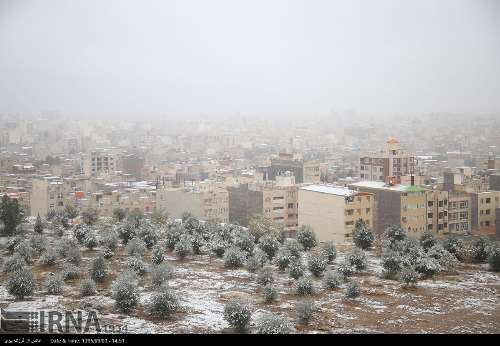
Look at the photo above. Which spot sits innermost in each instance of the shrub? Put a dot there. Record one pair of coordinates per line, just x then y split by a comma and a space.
316, 263
481, 248
161, 273
109, 240
137, 265
54, 284
244, 240
304, 286
283, 258
173, 235
38, 225
234, 257
197, 242
90, 216
363, 238
453, 244
108, 253
148, 233
13, 242
80, 232
427, 240
64, 246
270, 293
353, 290
136, 247
428, 267
70, 211
70, 272
391, 263
126, 231
237, 313
357, 259
24, 250
446, 260
329, 251
345, 269
157, 256
87, 287
218, 247
296, 269
39, 243
74, 256
494, 259
48, 258
91, 240
269, 323
252, 264
270, 244
294, 247
306, 237
394, 233
163, 303
265, 276
21, 283
98, 269
332, 280
125, 292
409, 277
183, 248
260, 256
305, 310
119, 214
14, 264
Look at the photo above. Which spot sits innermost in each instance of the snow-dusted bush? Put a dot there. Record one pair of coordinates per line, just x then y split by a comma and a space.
54, 284
173, 235
91, 240
125, 292
14, 263
49, 257
137, 265
136, 247
283, 258
70, 272
157, 256
237, 313
39, 243
13, 242
109, 240
80, 232
304, 286
306, 237
428, 267
270, 244
74, 256
394, 233
332, 280
244, 240
218, 246
293, 246
296, 269
163, 303
252, 264
270, 294
453, 244
494, 259
329, 250
411, 251
345, 269
446, 260
234, 257
108, 253
317, 263
87, 287
21, 283
391, 263
305, 310
183, 248
39, 226
197, 242
126, 231
98, 269
427, 240
161, 273
64, 245
409, 277
148, 233
265, 276
481, 248
362, 237
352, 290
269, 323
90, 216
357, 259
25, 250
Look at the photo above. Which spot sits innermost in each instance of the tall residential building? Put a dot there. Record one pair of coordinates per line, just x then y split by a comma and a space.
459, 212
387, 165
484, 205
105, 161
333, 211
47, 194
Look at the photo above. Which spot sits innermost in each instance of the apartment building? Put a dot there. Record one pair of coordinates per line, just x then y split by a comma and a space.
387, 165
332, 211
47, 194
459, 212
209, 203
484, 205
98, 162
438, 203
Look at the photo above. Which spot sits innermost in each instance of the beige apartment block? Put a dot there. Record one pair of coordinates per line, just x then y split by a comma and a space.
209, 204
332, 211
47, 194
101, 162
459, 213
487, 203
437, 211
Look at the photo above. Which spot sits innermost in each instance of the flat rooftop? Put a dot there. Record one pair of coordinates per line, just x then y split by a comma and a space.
332, 190
384, 186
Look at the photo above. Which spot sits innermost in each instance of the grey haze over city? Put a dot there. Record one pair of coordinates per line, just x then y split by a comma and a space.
266, 58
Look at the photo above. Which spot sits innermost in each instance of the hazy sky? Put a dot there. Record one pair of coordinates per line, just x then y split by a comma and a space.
249, 57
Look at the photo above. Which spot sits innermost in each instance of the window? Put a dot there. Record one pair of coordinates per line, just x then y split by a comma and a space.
487, 211
290, 205
430, 203
430, 215
429, 227
488, 200
487, 223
